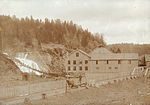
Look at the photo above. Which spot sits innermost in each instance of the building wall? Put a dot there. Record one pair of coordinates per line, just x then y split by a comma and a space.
148, 63
106, 73
112, 66
81, 58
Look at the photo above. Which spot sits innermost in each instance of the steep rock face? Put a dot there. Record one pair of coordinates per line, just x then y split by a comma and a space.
58, 53
8, 69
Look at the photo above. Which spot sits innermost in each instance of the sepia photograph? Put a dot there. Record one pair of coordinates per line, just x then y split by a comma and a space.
74, 52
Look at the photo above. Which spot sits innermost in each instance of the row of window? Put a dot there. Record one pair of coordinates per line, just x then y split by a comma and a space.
109, 68
75, 62
115, 67
119, 62
75, 68
86, 62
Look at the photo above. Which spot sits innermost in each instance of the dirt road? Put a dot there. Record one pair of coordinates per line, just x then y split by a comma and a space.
128, 92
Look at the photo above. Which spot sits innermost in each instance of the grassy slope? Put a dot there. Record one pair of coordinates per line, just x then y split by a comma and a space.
8, 69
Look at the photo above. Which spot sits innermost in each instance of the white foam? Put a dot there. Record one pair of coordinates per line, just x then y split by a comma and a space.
28, 63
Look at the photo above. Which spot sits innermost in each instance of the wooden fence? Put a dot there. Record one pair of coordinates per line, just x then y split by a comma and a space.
8, 92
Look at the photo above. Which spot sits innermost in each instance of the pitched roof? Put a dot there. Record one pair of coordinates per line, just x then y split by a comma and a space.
147, 57
114, 56
104, 54
80, 52
100, 51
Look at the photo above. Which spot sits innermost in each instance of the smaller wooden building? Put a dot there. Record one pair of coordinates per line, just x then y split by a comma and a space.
144, 60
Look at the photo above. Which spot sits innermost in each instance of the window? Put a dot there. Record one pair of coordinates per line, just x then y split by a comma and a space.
86, 68
74, 61
96, 61
107, 62
80, 62
116, 67
74, 68
129, 62
77, 54
80, 68
69, 68
109, 67
119, 61
86, 61
68, 61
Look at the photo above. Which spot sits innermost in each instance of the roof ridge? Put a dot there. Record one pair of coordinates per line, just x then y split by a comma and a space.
83, 52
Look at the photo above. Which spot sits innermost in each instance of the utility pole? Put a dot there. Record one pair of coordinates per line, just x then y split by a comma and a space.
1, 40
66, 82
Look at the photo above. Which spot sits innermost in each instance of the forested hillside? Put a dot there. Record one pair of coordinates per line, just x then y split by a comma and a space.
26, 34
130, 48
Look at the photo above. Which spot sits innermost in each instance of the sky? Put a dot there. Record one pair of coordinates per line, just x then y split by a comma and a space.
121, 21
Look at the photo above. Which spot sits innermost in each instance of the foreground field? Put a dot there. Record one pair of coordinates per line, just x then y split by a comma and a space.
130, 92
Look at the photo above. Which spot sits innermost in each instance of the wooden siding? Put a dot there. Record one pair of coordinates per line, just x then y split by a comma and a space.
81, 58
